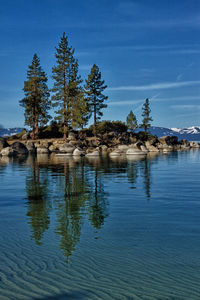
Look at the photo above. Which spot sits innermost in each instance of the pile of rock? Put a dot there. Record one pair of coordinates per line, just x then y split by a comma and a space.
16, 148
110, 143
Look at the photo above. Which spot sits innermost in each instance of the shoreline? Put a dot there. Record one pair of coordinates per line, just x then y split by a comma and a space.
112, 143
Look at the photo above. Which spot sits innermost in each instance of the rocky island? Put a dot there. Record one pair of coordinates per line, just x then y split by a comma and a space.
82, 143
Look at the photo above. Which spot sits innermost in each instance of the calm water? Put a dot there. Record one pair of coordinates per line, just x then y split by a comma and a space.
100, 228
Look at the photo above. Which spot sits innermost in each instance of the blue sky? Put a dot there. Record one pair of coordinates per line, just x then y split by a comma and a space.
144, 48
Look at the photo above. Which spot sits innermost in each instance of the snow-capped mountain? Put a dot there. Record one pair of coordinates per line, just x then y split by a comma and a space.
191, 133
9, 131
189, 130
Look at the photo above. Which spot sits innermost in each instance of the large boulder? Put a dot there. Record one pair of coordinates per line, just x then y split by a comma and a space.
116, 152
3, 143
150, 147
42, 150
72, 136
31, 147
20, 148
167, 149
75, 143
134, 151
8, 151
194, 145
94, 153
53, 148
123, 148
132, 139
94, 142
67, 148
78, 152
169, 140
143, 148
103, 149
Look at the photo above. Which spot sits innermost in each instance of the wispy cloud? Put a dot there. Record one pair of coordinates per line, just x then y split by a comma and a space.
155, 86
125, 102
154, 49
154, 99
149, 50
167, 23
185, 107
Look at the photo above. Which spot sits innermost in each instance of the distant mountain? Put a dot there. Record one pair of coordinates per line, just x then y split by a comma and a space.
10, 131
190, 133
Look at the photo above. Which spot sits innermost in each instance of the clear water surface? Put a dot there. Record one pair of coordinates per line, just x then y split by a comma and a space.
125, 228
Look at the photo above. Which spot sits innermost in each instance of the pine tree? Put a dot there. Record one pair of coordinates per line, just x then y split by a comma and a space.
78, 104
67, 90
131, 121
146, 116
36, 101
93, 89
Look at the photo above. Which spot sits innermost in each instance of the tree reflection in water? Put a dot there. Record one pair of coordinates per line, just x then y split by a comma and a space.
75, 188
38, 201
98, 204
70, 207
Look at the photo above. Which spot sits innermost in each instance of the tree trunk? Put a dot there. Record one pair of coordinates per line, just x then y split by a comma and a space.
36, 129
95, 119
64, 131
33, 131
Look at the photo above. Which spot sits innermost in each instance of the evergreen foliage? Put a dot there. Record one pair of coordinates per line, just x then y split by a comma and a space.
68, 95
36, 101
146, 116
108, 126
131, 121
93, 88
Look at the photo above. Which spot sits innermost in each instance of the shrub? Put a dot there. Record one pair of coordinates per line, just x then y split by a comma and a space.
54, 130
108, 126
85, 132
145, 136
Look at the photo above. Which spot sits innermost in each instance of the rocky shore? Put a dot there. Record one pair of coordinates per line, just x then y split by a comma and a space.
112, 144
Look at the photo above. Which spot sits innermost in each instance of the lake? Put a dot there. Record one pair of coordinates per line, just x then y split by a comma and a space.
120, 228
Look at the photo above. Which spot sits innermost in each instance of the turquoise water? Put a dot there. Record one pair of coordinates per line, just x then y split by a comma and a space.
104, 228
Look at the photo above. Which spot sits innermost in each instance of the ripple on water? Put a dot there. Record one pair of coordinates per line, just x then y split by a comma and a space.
147, 246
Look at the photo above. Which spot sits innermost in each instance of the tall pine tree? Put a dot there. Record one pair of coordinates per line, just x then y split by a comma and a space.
131, 121
93, 88
146, 116
67, 90
36, 101
78, 103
